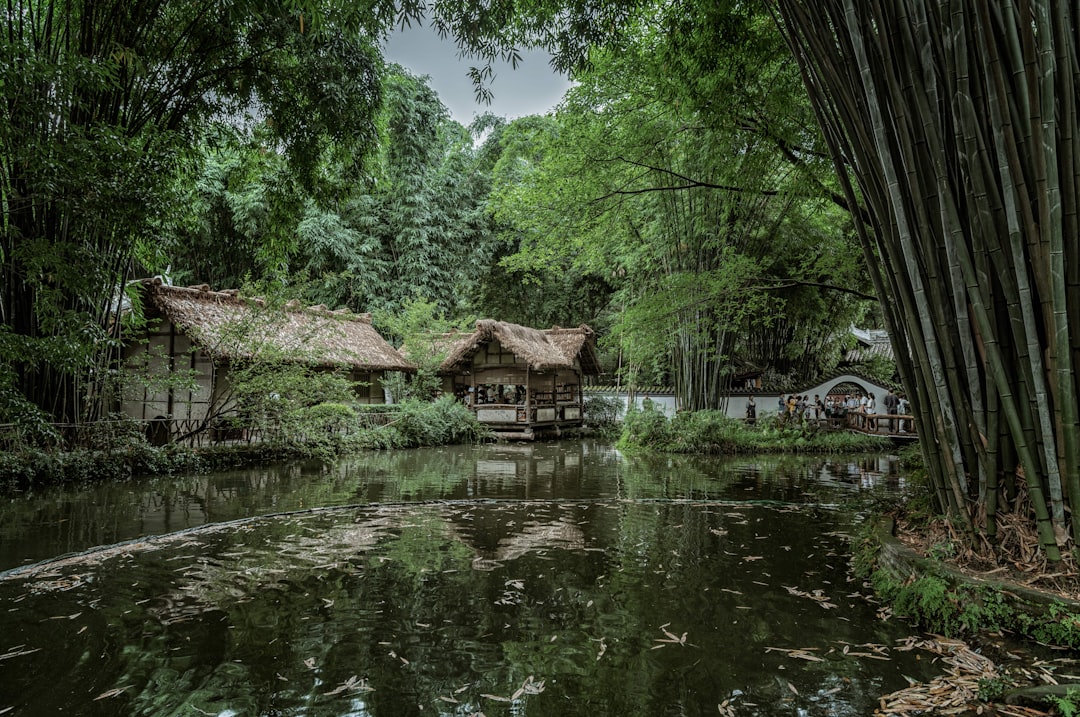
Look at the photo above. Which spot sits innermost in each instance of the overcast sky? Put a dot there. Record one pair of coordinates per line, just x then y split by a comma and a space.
533, 88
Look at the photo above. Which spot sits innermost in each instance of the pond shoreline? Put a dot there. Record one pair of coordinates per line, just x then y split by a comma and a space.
946, 599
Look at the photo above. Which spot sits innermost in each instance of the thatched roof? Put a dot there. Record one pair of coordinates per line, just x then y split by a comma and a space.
230, 327
543, 350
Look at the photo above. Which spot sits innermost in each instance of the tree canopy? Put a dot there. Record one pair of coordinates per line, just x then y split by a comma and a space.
722, 247
102, 104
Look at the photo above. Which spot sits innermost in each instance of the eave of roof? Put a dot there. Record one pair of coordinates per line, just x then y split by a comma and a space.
230, 327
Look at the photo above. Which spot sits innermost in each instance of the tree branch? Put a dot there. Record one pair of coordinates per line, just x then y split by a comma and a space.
788, 283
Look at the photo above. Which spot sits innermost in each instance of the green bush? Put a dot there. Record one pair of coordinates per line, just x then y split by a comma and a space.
118, 449
440, 422
601, 411
717, 433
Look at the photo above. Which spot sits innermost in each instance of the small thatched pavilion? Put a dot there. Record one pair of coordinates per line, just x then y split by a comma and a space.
201, 332
520, 381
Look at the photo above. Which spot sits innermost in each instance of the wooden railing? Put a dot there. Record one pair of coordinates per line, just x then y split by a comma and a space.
881, 423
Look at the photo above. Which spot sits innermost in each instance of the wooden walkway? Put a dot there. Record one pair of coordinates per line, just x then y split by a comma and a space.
878, 424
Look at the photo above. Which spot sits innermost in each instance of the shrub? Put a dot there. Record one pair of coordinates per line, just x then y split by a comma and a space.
440, 422
602, 411
716, 432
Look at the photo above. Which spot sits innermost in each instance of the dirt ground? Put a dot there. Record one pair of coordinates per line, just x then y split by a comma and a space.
1016, 557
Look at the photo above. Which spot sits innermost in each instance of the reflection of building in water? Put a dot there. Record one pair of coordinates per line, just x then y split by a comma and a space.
868, 471
534, 537
529, 470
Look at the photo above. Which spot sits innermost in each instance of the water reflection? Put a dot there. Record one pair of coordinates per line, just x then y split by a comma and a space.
542, 607
48, 523
55, 521
540, 579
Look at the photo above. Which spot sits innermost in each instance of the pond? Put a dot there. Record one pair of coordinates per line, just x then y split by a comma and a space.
542, 579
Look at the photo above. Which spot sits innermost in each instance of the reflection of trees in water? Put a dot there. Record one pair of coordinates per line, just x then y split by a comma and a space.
276, 613
68, 519
794, 478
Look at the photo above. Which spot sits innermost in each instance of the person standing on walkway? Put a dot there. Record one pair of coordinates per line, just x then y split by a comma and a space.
891, 402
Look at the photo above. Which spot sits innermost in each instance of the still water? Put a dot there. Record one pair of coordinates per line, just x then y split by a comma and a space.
548, 579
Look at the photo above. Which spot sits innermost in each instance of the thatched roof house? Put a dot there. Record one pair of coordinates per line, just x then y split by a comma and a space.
228, 328
196, 334
542, 350
519, 380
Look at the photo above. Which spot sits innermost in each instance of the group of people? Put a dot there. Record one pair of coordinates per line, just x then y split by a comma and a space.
863, 406
865, 409
799, 407
493, 393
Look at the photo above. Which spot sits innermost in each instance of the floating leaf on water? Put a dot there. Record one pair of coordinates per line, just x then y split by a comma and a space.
497, 698
354, 684
531, 686
671, 638
18, 652
310, 663
111, 693
805, 656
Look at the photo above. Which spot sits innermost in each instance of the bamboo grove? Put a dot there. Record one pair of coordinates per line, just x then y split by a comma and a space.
958, 122
101, 105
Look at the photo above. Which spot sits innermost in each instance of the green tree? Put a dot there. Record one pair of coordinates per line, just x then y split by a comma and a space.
560, 294
954, 124
102, 102
707, 229
241, 215
958, 123
417, 328
418, 225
